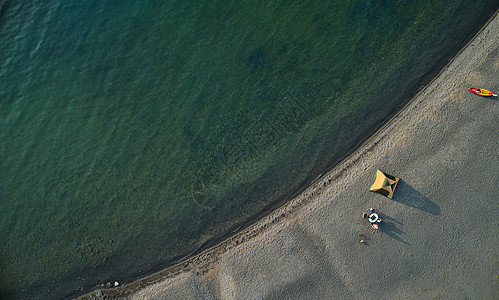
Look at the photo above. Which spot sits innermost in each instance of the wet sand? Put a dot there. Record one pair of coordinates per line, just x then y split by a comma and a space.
441, 232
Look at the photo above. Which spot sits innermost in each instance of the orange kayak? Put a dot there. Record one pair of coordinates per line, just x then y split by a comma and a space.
481, 92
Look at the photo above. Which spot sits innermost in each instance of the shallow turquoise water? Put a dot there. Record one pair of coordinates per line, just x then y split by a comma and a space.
135, 133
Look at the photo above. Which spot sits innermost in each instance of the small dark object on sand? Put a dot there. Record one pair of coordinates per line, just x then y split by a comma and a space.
362, 238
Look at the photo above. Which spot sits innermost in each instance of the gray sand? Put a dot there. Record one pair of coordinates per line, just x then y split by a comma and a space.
440, 236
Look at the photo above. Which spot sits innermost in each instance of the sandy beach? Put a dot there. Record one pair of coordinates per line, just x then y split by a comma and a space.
440, 233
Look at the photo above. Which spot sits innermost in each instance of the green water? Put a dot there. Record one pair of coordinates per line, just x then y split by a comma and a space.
134, 133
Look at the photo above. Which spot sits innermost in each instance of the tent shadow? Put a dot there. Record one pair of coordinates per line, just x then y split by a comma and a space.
408, 195
390, 228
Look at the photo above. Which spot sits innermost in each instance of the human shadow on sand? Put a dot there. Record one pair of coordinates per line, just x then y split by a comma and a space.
389, 227
408, 195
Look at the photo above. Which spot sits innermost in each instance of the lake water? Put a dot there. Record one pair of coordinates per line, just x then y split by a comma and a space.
134, 133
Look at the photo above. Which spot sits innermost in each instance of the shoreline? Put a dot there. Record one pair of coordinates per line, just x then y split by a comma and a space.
201, 265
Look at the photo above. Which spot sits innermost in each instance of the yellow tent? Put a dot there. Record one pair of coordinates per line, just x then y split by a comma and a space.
384, 184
